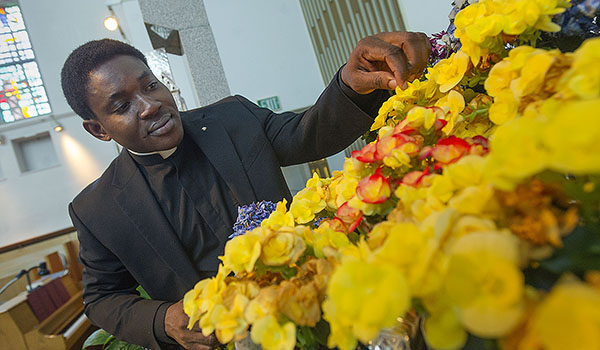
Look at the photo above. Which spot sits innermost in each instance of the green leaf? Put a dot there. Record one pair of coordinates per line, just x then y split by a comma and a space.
321, 332
143, 292
580, 251
121, 345
476, 343
98, 338
286, 272
306, 338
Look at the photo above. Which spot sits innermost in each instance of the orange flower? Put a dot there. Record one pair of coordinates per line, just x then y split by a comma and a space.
374, 189
349, 216
366, 154
450, 149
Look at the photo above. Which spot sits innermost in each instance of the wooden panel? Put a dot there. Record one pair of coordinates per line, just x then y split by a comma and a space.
47, 335
54, 262
16, 319
75, 269
15, 260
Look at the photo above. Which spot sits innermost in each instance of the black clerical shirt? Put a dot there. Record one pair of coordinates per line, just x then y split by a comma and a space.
198, 204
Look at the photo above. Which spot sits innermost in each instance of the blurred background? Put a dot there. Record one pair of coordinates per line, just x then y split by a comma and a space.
279, 54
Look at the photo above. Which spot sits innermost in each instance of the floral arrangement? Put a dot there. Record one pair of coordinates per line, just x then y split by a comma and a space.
476, 206
250, 216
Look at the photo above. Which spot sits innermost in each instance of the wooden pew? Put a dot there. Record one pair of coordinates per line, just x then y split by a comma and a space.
66, 326
60, 331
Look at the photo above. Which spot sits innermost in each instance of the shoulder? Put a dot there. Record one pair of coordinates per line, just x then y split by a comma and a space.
94, 194
230, 102
232, 109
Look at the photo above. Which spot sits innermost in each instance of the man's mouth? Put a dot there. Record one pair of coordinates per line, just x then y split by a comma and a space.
161, 126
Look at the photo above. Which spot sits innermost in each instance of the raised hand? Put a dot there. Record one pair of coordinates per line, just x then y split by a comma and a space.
386, 60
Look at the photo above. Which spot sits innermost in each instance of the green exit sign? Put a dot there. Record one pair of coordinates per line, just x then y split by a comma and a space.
271, 103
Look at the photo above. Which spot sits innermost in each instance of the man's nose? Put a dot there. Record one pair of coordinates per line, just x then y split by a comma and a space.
149, 107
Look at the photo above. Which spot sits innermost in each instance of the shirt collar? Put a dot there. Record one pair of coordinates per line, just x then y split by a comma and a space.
164, 154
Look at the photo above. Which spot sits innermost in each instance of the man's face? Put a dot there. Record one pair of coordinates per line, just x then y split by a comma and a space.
132, 107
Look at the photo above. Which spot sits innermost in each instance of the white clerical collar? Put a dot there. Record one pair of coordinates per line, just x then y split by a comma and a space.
164, 154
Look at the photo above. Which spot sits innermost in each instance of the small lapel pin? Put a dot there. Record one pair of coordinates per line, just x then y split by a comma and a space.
204, 128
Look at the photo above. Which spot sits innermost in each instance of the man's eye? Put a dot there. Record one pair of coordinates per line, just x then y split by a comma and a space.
153, 85
122, 108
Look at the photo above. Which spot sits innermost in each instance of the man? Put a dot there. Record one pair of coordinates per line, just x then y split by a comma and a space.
160, 214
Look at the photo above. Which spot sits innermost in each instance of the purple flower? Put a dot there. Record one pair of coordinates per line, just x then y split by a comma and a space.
250, 216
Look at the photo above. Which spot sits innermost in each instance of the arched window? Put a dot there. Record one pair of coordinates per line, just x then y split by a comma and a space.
22, 93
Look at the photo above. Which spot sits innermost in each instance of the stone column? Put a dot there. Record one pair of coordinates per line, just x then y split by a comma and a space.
199, 46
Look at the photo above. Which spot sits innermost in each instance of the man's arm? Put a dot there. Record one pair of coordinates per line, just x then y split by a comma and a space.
110, 297
346, 108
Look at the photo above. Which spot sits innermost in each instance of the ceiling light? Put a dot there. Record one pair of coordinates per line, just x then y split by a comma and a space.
111, 23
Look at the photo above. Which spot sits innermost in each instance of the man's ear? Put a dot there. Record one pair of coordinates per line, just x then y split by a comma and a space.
96, 129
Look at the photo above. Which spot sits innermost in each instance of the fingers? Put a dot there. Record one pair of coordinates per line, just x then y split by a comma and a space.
377, 50
416, 47
386, 60
197, 341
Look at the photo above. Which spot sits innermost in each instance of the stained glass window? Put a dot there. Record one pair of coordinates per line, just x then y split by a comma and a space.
22, 93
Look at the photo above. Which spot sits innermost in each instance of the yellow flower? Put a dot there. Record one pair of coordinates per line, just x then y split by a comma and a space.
229, 323
362, 298
411, 251
300, 303
306, 204
190, 302
453, 103
403, 244
317, 182
353, 168
449, 72
241, 252
509, 162
472, 199
533, 72
469, 224
485, 284
569, 318
325, 237
572, 137
419, 117
282, 247
400, 156
500, 76
199, 302
443, 331
582, 80
441, 188
467, 171
264, 304
272, 335
378, 235
366, 208
385, 110
279, 218
345, 190
480, 25
504, 108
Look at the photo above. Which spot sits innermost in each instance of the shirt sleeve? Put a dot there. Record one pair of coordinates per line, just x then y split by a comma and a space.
369, 103
159, 324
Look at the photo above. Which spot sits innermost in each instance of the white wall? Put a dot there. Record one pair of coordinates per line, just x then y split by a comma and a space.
428, 16
266, 50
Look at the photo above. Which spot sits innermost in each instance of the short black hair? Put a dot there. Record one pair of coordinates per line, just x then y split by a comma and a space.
81, 62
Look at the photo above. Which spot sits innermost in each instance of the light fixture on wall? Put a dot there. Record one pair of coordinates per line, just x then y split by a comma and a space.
56, 125
111, 23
